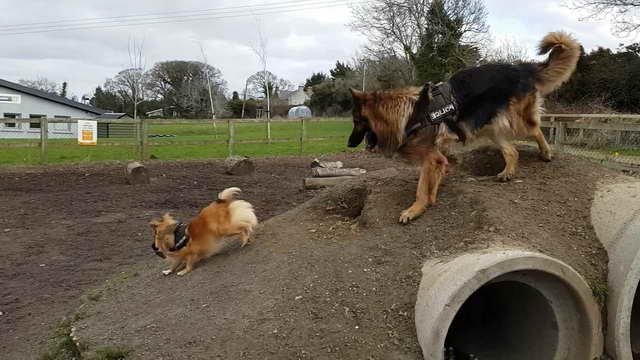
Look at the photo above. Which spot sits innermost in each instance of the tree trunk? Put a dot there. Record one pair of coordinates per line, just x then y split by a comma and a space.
135, 173
239, 165
326, 164
318, 183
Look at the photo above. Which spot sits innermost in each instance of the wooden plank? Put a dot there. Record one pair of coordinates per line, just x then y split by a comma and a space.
589, 126
602, 116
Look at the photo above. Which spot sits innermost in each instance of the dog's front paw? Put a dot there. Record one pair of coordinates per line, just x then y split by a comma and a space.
505, 176
409, 214
166, 272
546, 156
183, 272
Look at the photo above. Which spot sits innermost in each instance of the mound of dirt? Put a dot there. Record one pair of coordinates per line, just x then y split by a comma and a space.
83, 224
336, 277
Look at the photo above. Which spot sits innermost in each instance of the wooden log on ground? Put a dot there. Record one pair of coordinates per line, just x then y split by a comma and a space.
318, 183
239, 165
331, 172
326, 164
136, 173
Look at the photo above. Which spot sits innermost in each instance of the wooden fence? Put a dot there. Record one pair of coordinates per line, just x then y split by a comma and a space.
119, 129
557, 125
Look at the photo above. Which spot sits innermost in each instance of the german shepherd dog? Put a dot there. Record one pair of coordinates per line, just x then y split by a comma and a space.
495, 101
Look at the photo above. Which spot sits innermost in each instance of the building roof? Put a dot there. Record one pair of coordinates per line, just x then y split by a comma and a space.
113, 116
50, 97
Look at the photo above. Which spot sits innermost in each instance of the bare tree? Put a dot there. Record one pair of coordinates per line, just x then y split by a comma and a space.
625, 13
260, 49
135, 76
258, 82
185, 84
507, 51
397, 28
130, 86
42, 84
206, 73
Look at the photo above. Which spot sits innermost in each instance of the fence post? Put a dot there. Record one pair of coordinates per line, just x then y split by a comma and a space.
141, 138
619, 138
561, 131
44, 136
231, 131
303, 133
552, 130
143, 126
268, 128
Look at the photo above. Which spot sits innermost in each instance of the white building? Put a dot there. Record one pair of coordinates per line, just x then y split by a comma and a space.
21, 102
295, 97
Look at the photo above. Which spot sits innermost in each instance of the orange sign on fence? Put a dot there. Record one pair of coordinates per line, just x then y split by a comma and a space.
87, 132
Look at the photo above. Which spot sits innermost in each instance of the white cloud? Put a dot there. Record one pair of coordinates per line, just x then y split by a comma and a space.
300, 43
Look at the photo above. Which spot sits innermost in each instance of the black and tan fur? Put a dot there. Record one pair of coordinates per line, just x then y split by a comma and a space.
495, 101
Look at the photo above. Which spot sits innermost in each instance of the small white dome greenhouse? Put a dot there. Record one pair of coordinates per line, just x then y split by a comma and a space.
298, 112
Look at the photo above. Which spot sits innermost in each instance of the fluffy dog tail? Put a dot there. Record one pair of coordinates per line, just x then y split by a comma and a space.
241, 211
561, 63
228, 194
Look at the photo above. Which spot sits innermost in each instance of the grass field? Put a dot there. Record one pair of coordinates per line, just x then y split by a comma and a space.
189, 141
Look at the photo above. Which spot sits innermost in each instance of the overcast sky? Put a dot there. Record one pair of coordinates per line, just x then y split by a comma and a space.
299, 43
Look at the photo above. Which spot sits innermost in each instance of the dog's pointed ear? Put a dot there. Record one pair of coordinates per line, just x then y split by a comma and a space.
154, 224
357, 94
429, 87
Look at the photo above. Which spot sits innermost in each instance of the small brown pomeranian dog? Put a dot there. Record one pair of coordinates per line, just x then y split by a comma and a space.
186, 244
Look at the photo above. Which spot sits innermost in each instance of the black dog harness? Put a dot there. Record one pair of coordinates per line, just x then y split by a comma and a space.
181, 238
436, 104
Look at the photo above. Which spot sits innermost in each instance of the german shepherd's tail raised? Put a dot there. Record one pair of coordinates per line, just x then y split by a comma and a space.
560, 64
495, 101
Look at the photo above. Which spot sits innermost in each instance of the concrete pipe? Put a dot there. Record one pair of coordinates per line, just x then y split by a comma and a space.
507, 304
615, 215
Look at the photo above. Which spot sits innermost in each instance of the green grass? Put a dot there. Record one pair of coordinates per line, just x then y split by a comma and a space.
61, 346
624, 152
191, 141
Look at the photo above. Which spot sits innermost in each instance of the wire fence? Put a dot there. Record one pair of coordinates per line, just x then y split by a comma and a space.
55, 140
608, 138
605, 137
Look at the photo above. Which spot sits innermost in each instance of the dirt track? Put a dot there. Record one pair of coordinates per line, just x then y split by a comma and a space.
74, 227
66, 229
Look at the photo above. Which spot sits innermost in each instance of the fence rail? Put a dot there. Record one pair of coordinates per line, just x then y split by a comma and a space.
610, 137
142, 135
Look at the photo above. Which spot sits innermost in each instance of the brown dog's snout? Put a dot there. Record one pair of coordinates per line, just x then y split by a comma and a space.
157, 251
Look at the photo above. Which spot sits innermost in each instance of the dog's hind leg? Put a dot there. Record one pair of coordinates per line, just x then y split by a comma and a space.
545, 149
244, 235
433, 169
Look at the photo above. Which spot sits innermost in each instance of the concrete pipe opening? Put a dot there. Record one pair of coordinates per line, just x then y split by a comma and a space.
506, 305
635, 326
505, 320
615, 215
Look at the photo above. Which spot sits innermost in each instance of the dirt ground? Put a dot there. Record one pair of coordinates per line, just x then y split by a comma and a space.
335, 278
66, 229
